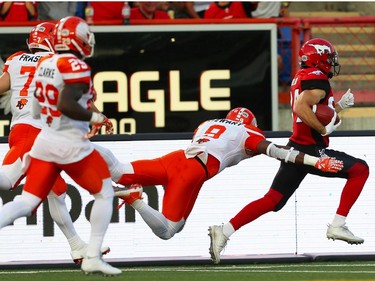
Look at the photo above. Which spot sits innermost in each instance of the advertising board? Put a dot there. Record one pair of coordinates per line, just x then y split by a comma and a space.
298, 228
169, 78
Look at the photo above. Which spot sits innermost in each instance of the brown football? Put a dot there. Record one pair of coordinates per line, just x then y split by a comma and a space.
324, 113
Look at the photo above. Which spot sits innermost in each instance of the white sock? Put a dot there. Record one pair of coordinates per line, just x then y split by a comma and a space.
100, 218
5, 183
12, 211
60, 215
76, 243
10, 174
338, 220
137, 204
21, 206
228, 229
154, 219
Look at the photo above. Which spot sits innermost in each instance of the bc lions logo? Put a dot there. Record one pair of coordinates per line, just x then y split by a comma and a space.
203, 140
320, 49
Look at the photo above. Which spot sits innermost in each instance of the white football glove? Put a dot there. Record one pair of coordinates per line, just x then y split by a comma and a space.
347, 100
331, 126
97, 121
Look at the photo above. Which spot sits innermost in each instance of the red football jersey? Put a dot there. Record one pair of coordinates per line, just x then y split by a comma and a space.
19, 12
230, 11
309, 79
107, 10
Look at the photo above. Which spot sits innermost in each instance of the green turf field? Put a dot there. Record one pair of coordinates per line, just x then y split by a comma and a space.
321, 271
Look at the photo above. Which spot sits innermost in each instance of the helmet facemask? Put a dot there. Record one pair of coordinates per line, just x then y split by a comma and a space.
87, 38
333, 60
91, 43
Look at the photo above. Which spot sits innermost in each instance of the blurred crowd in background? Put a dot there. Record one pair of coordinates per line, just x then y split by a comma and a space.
101, 11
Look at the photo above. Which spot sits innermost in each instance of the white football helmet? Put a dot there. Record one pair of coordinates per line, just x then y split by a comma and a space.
41, 37
73, 34
242, 115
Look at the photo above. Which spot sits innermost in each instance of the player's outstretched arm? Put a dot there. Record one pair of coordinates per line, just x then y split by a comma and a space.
289, 154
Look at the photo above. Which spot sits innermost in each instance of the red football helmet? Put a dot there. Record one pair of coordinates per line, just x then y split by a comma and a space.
73, 34
321, 54
41, 37
242, 115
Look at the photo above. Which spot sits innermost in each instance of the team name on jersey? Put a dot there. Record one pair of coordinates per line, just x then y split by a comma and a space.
226, 121
29, 58
46, 72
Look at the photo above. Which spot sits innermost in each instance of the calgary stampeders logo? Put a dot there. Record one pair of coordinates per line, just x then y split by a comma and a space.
321, 49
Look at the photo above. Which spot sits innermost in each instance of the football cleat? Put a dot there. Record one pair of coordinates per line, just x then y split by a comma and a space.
343, 233
128, 193
97, 265
78, 255
218, 242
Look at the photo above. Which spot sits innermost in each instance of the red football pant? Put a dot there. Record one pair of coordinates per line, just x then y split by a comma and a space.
89, 173
182, 179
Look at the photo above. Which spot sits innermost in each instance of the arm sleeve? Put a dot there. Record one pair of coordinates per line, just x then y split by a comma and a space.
316, 84
289, 155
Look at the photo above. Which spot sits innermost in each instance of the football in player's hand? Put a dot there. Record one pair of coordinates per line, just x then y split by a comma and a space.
324, 113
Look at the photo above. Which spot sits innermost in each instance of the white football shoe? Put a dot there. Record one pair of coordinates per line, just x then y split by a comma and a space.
124, 192
343, 233
97, 265
218, 242
78, 255
128, 194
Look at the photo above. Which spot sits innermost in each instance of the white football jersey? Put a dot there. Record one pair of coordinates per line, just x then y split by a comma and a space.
228, 141
62, 138
21, 67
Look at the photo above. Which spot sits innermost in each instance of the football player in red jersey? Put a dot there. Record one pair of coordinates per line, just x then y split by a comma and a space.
216, 145
310, 86
63, 98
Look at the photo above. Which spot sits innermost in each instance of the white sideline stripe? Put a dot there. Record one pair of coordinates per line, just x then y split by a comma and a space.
230, 269
261, 271
199, 270
36, 271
